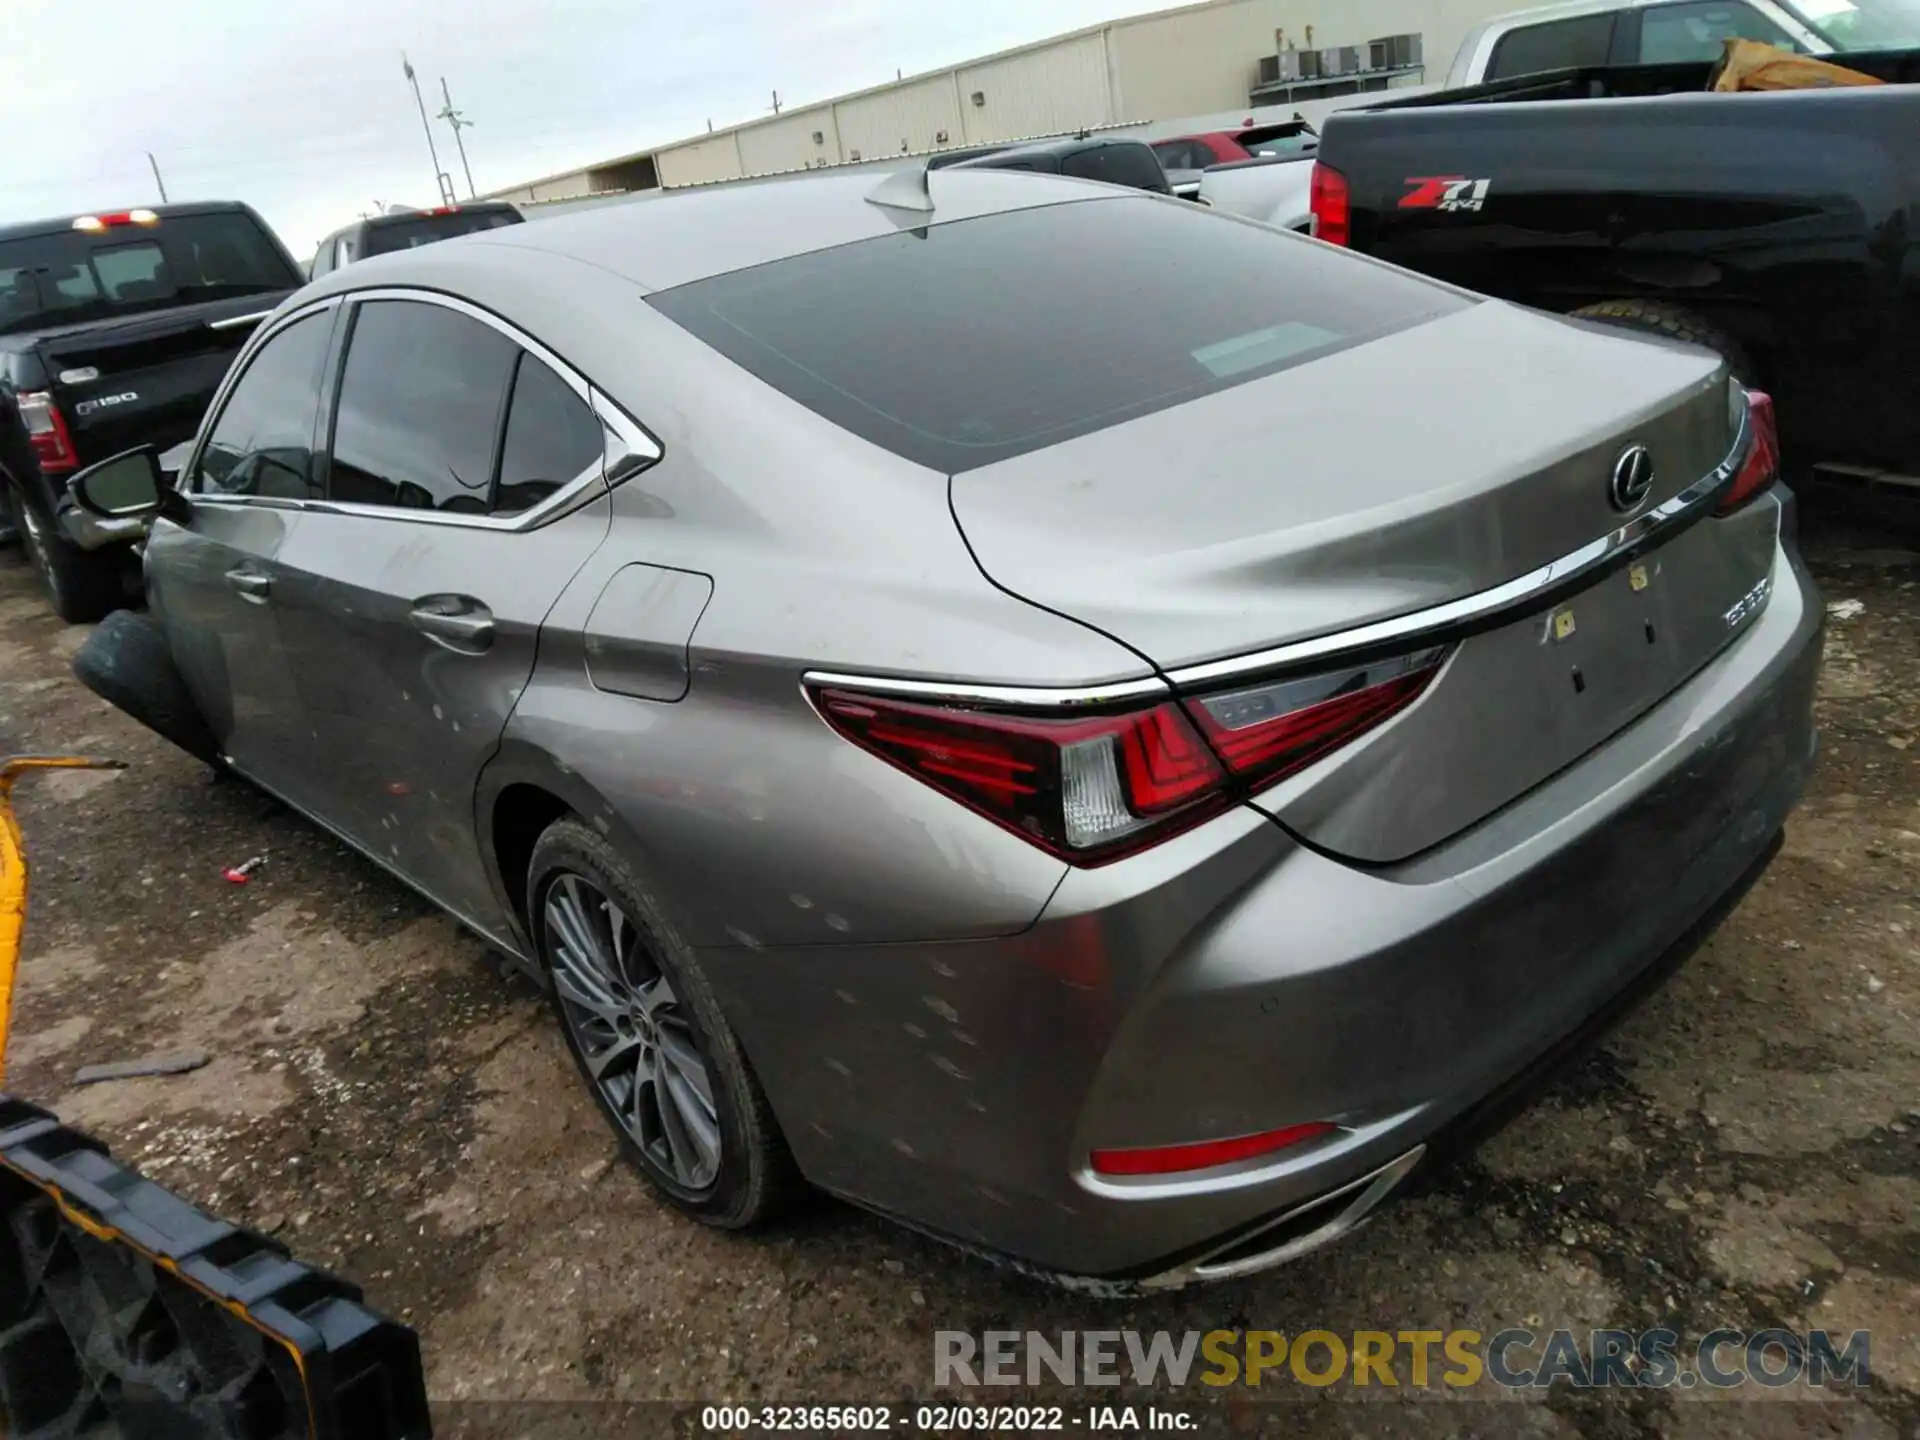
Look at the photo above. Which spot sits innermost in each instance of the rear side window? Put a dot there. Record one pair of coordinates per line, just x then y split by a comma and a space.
420, 407
962, 344
552, 437
262, 444
1557, 45
1673, 34
421, 230
1132, 165
1183, 155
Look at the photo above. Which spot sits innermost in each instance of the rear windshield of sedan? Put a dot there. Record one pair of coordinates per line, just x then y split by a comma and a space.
421, 230
963, 344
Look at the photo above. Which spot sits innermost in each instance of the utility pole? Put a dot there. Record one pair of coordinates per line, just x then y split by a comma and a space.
454, 118
441, 181
156, 177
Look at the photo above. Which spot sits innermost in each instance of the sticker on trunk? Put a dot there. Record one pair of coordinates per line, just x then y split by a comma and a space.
1445, 192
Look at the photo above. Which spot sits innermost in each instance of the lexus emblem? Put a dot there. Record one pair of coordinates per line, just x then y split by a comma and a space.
1632, 479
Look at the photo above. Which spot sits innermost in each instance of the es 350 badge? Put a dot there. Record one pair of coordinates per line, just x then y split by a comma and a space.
1445, 192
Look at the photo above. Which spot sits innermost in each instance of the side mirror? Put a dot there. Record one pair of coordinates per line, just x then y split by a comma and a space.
130, 486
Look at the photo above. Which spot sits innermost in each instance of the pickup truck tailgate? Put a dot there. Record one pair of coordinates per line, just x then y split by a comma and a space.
149, 379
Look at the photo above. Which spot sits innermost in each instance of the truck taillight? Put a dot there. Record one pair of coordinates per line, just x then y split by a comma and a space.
47, 431
1094, 788
1762, 465
1332, 202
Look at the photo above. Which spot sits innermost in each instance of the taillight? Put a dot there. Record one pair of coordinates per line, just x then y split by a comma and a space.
1094, 788
1268, 731
47, 431
1205, 1154
1332, 202
1083, 788
1762, 465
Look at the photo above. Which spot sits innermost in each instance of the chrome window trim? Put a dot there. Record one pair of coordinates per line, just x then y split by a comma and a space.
1485, 605
234, 322
1568, 569
1061, 697
625, 439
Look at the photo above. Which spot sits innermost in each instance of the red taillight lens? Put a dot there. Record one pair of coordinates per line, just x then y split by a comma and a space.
47, 431
1332, 202
1268, 731
1177, 1159
1094, 788
1762, 465
1083, 788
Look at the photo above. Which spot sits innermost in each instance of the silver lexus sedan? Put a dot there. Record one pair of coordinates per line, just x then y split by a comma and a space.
1111, 773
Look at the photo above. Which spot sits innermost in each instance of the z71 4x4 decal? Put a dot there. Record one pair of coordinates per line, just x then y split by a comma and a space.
1444, 192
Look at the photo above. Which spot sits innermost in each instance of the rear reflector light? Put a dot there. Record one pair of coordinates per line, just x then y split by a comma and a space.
1077, 787
1332, 202
1762, 465
1178, 1159
444, 210
1091, 788
1265, 732
47, 431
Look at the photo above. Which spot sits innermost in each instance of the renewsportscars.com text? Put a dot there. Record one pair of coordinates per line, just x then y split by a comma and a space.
1512, 1358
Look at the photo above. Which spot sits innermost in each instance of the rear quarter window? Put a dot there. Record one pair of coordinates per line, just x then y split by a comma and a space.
1132, 165
1556, 45
963, 344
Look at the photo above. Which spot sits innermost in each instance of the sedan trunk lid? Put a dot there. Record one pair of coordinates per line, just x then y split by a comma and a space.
1417, 471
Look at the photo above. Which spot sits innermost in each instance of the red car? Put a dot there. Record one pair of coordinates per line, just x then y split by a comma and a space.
1219, 147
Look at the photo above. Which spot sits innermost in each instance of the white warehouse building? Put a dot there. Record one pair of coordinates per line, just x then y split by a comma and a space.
1201, 59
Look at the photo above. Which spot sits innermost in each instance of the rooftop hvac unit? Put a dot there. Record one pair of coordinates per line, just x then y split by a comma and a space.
1269, 69
1393, 52
1309, 63
1340, 60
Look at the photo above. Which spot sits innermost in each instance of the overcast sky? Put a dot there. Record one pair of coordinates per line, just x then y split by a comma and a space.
303, 111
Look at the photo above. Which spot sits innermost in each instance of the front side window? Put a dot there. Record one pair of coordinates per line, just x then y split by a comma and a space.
419, 411
1672, 34
262, 444
1557, 45
552, 437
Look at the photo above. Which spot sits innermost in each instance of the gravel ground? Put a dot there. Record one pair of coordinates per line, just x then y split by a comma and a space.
1744, 1152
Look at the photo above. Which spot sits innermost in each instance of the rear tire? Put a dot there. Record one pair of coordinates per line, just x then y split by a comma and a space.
657, 1059
1675, 322
84, 587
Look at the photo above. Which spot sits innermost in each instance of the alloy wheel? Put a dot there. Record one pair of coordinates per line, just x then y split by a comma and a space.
634, 1036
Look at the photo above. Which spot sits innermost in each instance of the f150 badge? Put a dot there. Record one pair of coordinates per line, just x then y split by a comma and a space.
1445, 192
87, 407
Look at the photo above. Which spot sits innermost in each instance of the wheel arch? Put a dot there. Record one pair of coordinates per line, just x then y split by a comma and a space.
521, 792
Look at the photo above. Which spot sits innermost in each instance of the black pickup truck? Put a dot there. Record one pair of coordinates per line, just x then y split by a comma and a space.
1780, 228
115, 329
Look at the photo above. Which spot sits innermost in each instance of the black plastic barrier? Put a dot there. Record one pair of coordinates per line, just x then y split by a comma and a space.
126, 1311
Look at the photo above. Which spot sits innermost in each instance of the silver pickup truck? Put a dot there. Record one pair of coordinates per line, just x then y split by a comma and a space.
1273, 188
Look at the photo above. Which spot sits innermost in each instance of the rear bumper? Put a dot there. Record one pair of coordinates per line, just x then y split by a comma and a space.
1233, 981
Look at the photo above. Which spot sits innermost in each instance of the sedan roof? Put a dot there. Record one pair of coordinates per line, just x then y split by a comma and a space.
673, 240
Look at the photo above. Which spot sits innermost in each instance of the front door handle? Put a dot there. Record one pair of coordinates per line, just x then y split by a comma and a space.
457, 622
250, 584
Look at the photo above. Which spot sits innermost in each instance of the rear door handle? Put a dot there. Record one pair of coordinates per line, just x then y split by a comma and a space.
250, 584
456, 622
